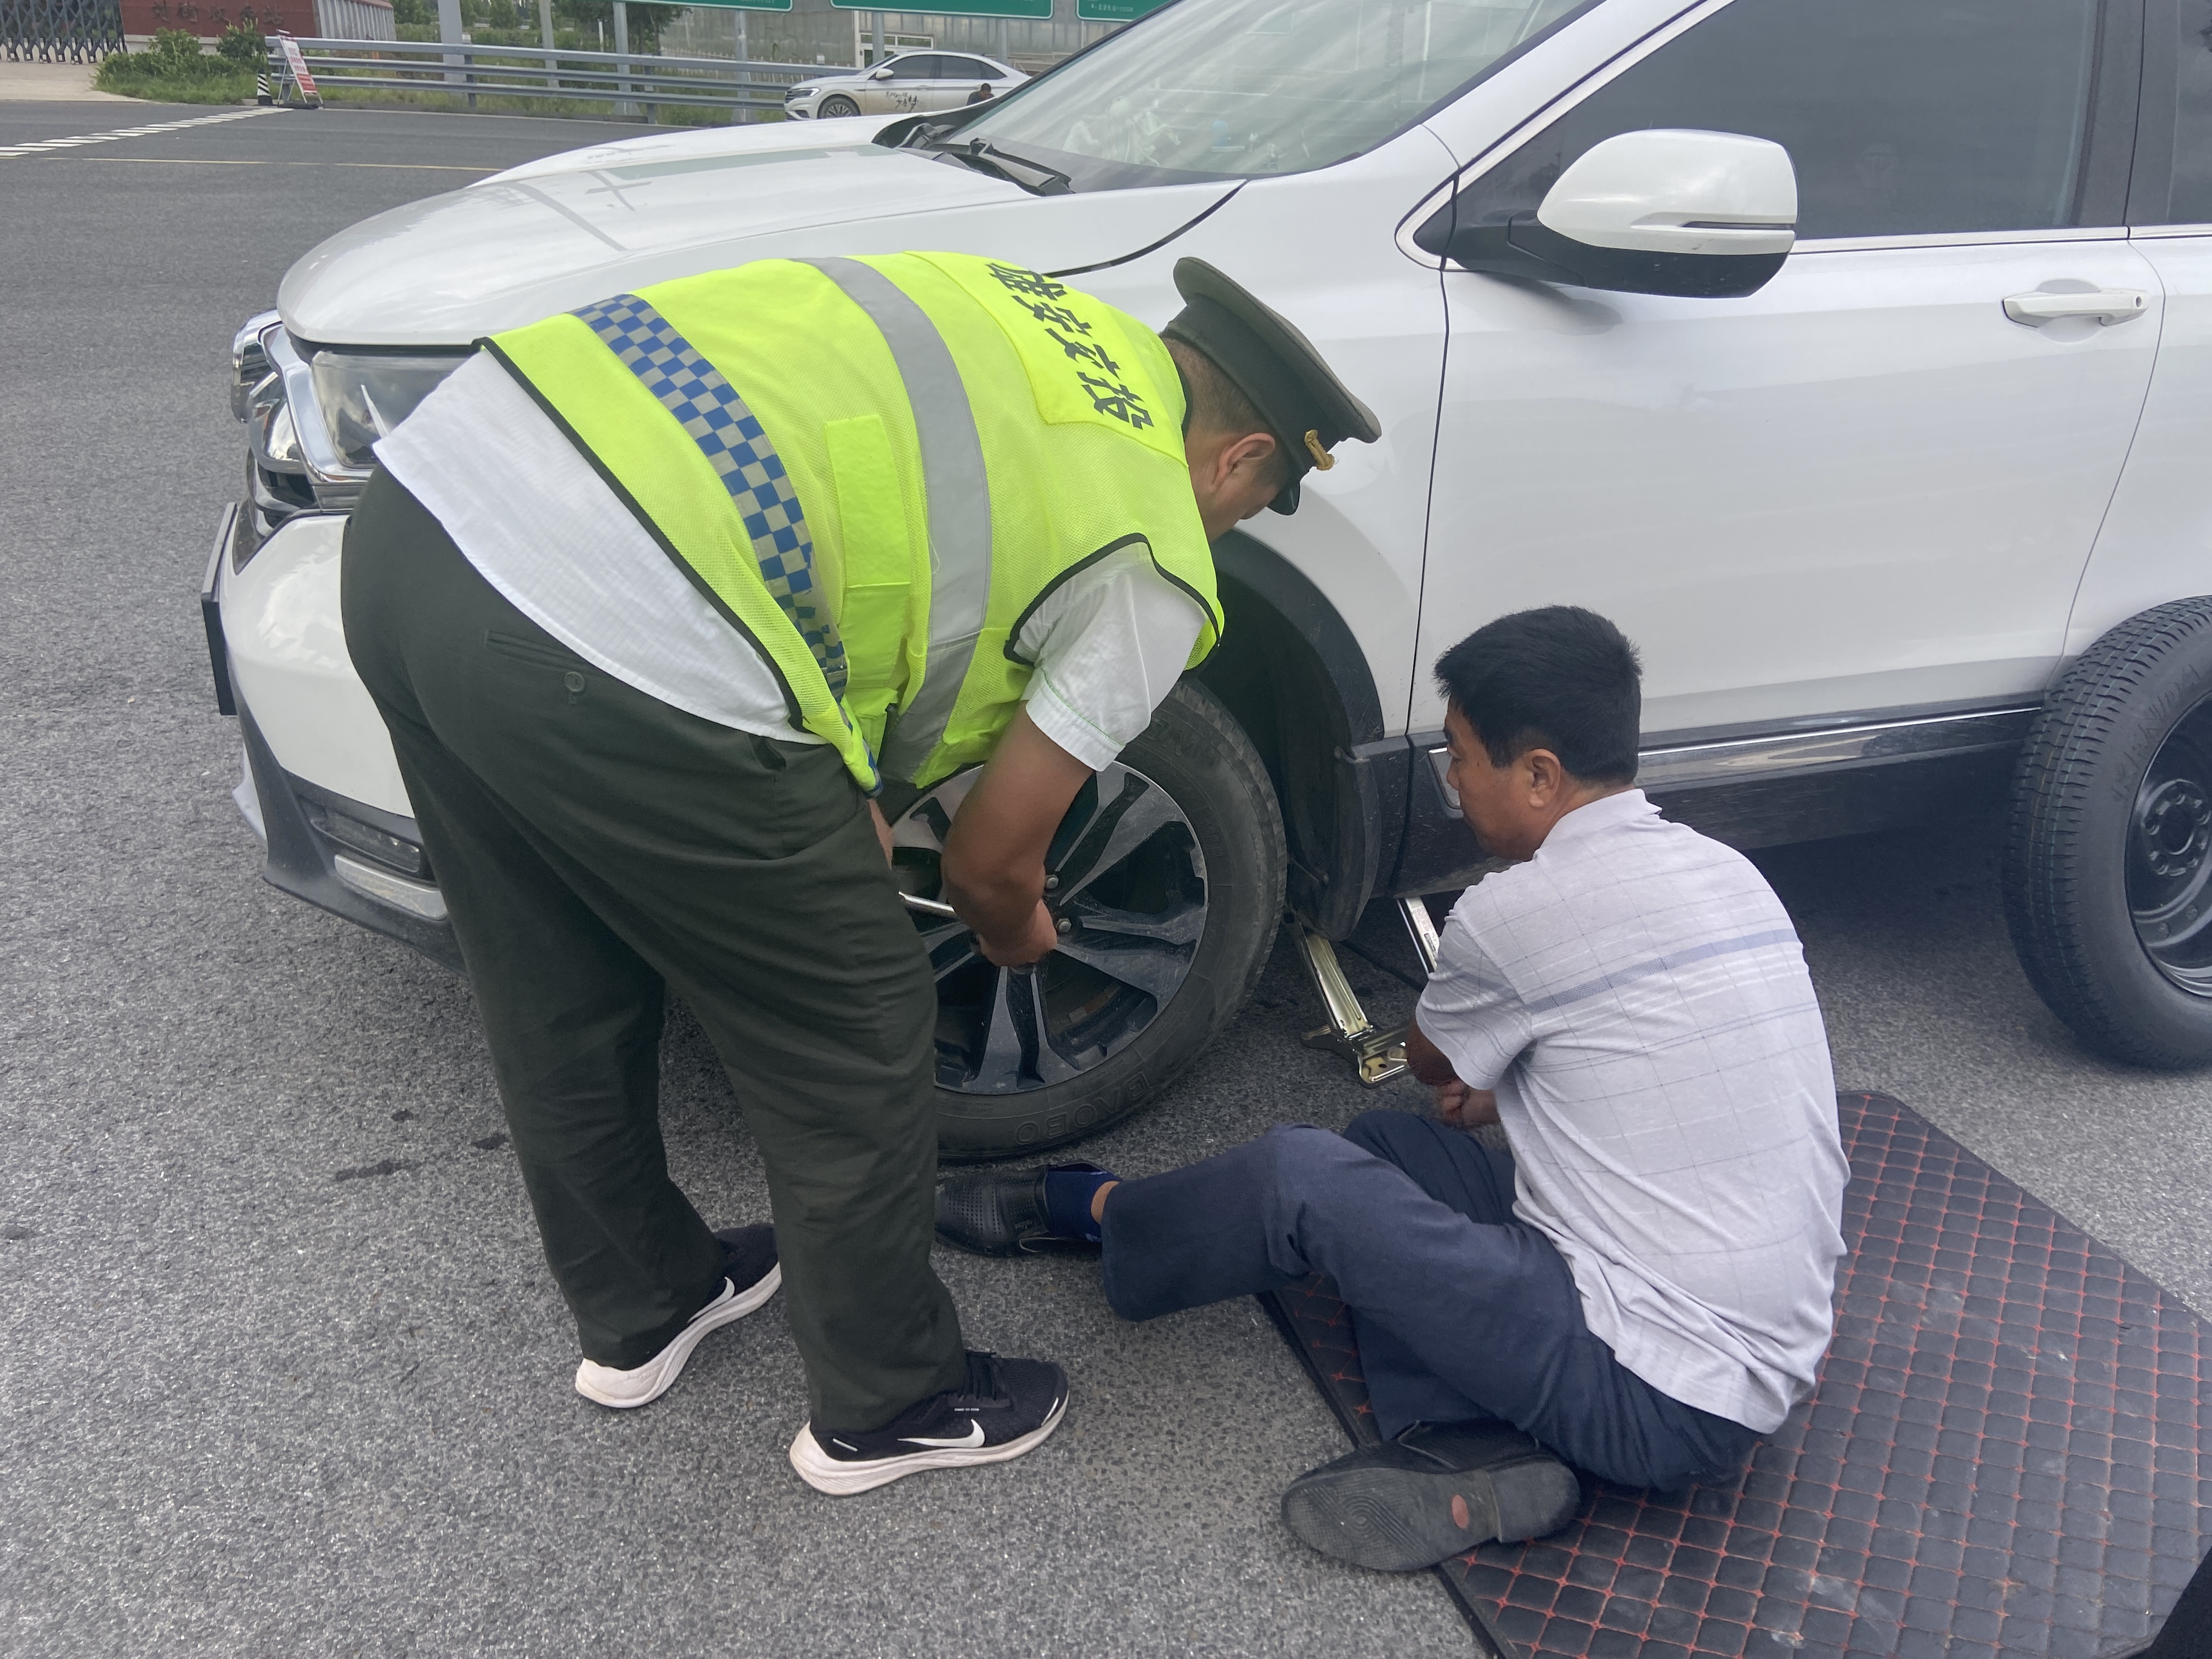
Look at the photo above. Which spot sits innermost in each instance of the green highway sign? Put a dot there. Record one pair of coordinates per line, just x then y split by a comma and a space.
1041, 9
744, 5
1114, 11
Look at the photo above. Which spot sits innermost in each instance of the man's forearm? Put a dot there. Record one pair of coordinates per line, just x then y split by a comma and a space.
1426, 1060
993, 869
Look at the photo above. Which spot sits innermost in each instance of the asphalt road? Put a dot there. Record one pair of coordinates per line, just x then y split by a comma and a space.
281, 1372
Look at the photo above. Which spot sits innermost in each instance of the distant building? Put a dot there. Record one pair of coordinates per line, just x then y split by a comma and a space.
354, 20
339, 19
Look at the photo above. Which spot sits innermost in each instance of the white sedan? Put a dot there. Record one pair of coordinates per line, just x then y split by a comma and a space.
912, 84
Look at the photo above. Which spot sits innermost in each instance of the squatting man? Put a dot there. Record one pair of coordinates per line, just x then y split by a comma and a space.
654, 597
1641, 1285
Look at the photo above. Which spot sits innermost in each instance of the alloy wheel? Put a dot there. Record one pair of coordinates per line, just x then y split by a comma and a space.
1125, 880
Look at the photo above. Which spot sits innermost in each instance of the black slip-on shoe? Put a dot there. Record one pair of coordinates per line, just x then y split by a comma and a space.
751, 1274
1002, 1212
1005, 1408
1436, 1490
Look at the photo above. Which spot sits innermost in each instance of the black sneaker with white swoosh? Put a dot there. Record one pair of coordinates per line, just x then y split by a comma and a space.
1005, 1408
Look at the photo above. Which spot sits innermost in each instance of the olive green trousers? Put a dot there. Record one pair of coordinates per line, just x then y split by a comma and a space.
596, 847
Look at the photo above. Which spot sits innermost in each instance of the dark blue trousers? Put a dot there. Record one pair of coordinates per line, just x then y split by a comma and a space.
1461, 1311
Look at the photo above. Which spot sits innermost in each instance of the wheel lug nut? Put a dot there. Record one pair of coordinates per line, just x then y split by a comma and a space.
1051, 884
1065, 925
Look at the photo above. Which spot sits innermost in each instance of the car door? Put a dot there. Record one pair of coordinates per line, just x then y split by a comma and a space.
1874, 485
909, 86
2157, 540
957, 79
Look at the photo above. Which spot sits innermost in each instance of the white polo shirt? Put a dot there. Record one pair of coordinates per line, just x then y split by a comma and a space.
1637, 996
543, 528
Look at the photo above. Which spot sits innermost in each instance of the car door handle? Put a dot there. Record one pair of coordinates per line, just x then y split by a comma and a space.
2107, 306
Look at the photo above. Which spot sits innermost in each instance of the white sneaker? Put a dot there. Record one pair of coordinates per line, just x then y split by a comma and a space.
747, 1286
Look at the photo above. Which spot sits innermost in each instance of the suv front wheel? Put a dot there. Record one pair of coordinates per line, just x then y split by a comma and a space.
1166, 878
2108, 863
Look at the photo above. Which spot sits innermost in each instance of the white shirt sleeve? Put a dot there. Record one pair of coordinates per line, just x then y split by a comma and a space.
1470, 1010
1108, 645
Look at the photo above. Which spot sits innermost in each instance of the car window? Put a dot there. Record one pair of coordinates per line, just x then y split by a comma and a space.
967, 69
1209, 90
1902, 117
921, 66
2180, 57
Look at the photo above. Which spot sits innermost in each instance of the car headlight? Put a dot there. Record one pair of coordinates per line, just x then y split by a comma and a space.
274, 438
363, 395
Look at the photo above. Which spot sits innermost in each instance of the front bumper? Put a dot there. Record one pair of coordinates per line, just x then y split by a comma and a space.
271, 628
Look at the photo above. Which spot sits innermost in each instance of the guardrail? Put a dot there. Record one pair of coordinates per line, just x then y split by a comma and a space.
625, 80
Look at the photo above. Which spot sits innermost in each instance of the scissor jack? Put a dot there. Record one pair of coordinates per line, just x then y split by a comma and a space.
1376, 1056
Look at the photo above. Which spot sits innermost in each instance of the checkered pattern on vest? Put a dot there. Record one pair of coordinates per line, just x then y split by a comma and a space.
716, 419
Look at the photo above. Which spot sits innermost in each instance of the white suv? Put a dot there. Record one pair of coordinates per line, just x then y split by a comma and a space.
1905, 508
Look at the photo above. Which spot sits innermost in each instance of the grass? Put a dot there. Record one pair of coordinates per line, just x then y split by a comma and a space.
133, 77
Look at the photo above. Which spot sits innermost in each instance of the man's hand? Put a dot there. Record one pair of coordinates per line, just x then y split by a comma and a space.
1032, 945
993, 863
1464, 1107
883, 830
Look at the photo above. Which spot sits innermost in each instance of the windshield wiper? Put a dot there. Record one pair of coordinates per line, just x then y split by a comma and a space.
987, 157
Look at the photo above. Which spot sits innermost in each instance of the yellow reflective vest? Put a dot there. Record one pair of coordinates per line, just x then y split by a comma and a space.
877, 468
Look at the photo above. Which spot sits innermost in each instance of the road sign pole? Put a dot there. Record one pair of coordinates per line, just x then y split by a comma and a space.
744, 56
545, 23
622, 52
449, 31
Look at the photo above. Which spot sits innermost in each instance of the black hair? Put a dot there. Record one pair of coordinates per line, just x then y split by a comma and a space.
1561, 678
1214, 403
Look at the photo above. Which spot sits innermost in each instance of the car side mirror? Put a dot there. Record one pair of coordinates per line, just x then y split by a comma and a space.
1665, 211
883, 73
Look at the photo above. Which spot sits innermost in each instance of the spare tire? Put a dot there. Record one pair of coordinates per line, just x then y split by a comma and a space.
1167, 877
2108, 860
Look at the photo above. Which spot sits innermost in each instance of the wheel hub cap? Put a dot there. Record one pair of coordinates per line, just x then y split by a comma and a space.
2169, 862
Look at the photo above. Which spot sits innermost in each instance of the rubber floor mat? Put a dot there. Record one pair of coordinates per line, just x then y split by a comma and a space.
2007, 1453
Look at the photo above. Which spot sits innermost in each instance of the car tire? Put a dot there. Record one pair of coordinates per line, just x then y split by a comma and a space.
835, 109
2108, 859
1225, 833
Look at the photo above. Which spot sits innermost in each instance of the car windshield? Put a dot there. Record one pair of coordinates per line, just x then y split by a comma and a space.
1252, 89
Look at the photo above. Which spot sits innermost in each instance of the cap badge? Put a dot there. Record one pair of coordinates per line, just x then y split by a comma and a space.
1321, 458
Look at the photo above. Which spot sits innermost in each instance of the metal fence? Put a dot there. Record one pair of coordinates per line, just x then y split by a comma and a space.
627, 81
59, 31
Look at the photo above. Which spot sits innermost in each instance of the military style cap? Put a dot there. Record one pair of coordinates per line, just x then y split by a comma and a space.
1310, 410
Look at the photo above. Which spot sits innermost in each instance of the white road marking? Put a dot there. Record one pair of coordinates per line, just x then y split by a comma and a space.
46, 145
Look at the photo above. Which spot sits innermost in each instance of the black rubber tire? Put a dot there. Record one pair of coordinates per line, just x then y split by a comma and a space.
1195, 750
836, 109
2073, 807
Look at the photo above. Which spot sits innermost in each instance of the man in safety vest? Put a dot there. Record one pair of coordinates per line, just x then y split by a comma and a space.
654, 597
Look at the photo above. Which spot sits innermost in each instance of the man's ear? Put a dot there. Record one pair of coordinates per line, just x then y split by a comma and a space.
1250, 453
1547, 777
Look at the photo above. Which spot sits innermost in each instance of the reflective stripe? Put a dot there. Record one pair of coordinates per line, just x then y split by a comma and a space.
717, 420
959, 497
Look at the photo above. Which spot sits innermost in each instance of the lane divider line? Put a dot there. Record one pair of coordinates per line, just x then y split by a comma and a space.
71, 141
227, 161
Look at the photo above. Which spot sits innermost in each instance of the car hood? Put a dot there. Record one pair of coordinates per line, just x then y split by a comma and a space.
558, 233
